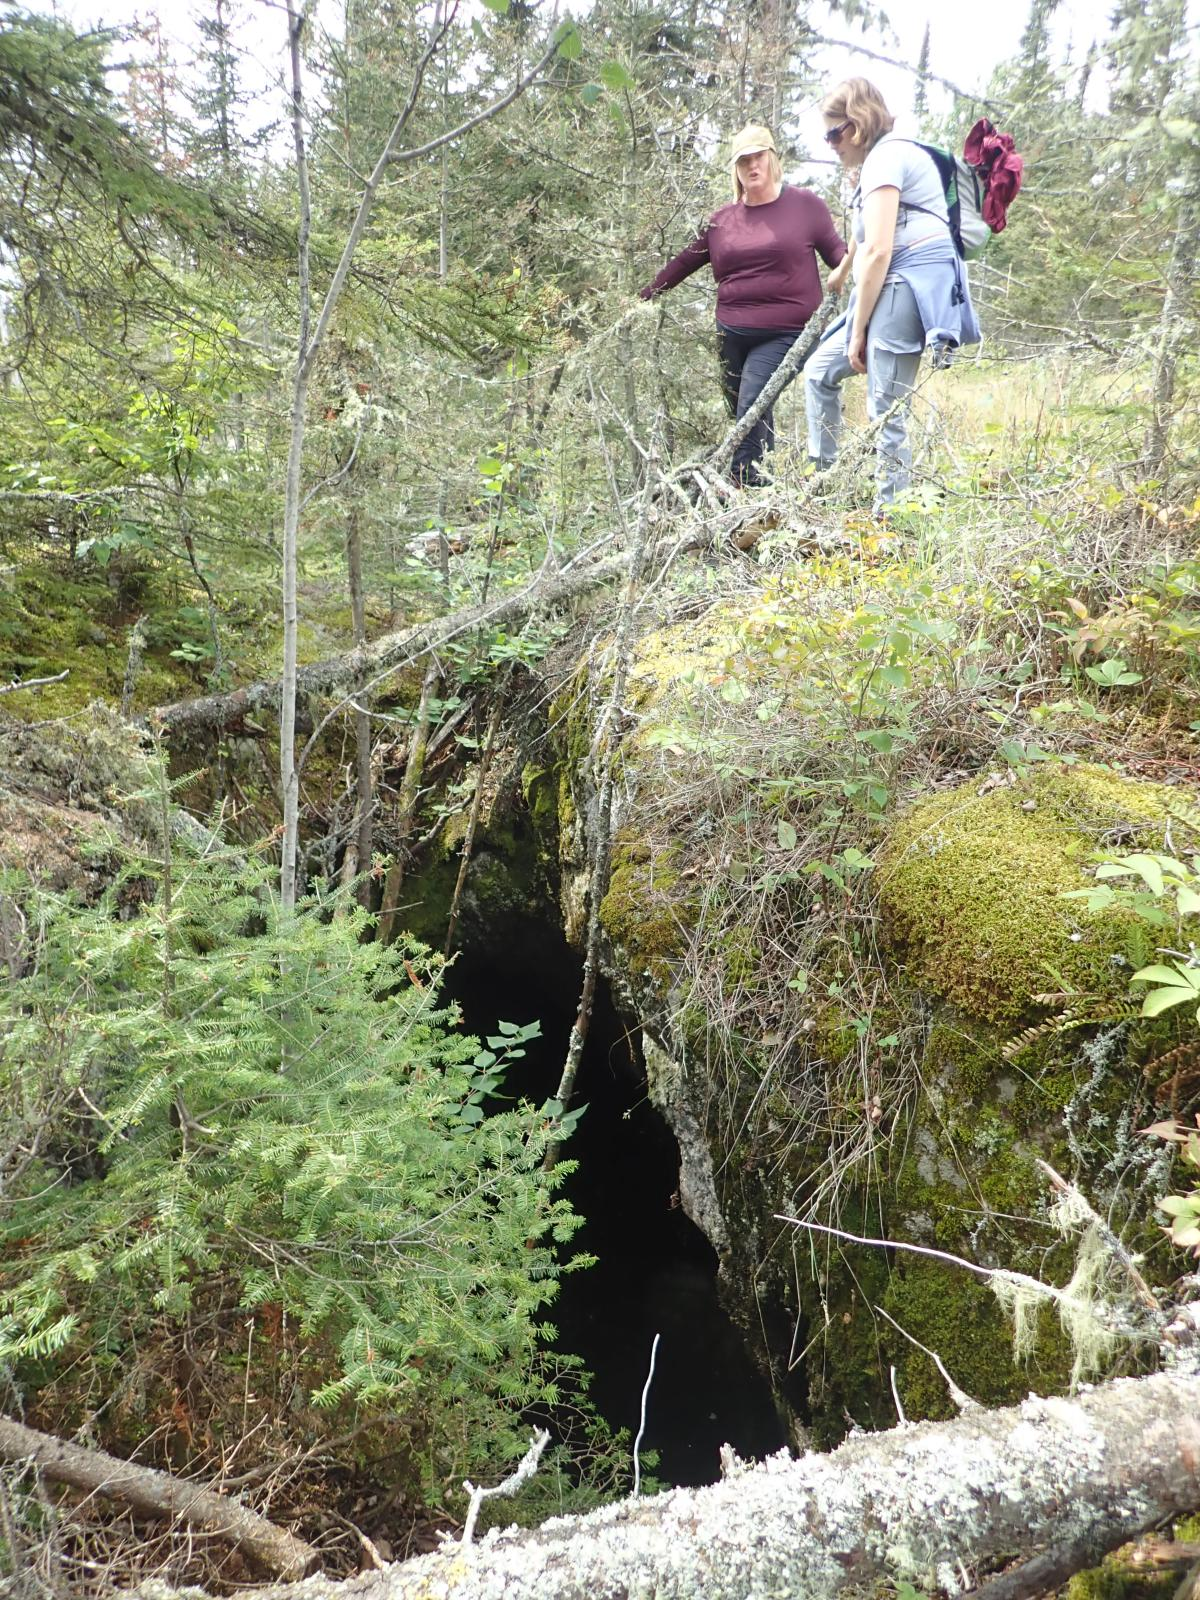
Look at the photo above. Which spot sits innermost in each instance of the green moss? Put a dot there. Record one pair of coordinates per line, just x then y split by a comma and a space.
1115, 1580
640, 913
957, 1315
971, 887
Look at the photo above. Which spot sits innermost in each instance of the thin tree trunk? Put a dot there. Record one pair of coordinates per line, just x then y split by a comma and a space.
358, 851
625, 283
605, 742
289, 776
410, 793
156, 1494
1176, 321
309, 346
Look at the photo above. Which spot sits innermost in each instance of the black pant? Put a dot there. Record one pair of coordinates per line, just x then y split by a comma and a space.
748, 358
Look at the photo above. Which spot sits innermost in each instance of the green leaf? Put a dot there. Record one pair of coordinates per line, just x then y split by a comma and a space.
855, 860
1187, 900
1148, 870
590, 93
1160, 1000
614, 77
786, 834
1161, 974
570, 45
498, 6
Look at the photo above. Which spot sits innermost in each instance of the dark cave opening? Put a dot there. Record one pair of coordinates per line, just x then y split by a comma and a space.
655, 1272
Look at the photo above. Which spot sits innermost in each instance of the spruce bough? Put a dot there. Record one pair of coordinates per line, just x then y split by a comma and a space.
273, 1107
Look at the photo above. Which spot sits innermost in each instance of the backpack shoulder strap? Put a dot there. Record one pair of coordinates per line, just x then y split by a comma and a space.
947, 171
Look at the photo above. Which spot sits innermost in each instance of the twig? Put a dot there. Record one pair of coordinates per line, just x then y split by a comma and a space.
900, 1417
962, 1400
525, 1471
32, 683
637, 1443
999, 106
1115, 1248
1016, 1280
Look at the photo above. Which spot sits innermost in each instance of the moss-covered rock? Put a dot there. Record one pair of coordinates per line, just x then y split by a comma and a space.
890, 1109
972, 883
642, 912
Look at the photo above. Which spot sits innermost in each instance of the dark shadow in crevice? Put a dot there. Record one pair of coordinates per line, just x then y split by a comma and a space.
656, 1273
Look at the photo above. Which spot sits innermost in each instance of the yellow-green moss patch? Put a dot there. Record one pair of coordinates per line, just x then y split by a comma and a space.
972, 883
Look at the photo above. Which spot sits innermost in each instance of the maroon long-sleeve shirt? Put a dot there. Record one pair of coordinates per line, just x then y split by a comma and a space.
764, 259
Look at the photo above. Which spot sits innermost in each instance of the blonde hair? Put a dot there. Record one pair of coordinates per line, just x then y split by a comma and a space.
860, 102
773, 162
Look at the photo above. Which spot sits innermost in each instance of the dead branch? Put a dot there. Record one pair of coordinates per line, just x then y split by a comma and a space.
32, 683
362, 670
605, 742
468, 844
524, 1470
714, 463
156, 1494
410, 790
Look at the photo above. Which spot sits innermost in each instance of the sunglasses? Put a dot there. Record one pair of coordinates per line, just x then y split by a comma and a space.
833, 135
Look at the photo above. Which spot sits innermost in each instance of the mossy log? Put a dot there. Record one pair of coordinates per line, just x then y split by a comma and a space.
933, 1504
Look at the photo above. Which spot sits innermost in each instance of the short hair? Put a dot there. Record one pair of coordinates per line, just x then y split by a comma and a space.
860, 102
773, 162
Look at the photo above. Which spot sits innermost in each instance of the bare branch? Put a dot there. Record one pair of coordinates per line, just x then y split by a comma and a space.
33, 683
525, 1471
480, 117
158, 1494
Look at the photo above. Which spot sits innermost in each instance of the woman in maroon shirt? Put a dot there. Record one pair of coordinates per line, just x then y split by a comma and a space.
763, 252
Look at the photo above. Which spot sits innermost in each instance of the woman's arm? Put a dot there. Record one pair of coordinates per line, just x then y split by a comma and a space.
679, 267
836, 281
880, 210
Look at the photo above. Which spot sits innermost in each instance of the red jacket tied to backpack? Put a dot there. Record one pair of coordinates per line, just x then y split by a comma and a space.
1001, 168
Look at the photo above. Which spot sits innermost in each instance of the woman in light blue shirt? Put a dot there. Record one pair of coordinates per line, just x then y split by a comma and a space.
910, 288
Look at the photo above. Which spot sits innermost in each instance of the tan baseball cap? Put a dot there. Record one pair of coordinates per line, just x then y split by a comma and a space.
753, 138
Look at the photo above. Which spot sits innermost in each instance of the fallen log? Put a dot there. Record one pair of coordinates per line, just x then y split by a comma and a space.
935, 1504
369, 664
158, 1495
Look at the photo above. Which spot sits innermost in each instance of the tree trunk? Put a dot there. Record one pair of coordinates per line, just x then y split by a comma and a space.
358, 850
933, 1504
210, 713
1176, 321
157, 1494
410, 794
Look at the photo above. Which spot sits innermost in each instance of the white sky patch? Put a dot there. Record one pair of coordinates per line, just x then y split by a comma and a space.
966, 44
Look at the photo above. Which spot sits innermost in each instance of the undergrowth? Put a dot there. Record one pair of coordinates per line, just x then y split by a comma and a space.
1032, 605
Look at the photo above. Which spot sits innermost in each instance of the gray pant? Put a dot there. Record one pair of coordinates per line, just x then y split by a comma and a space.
895, 339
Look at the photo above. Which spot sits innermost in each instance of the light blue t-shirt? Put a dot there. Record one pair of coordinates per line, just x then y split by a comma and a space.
898, 163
